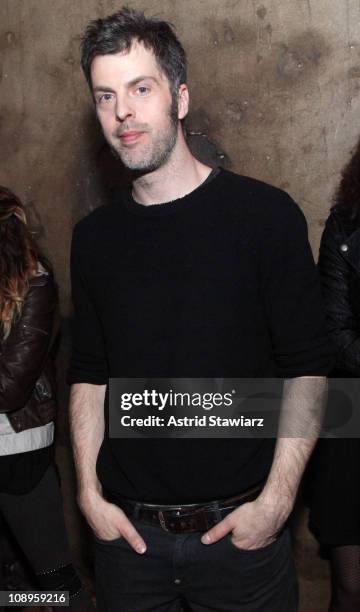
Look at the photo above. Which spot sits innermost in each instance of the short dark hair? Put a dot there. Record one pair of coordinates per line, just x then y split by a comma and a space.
117, 32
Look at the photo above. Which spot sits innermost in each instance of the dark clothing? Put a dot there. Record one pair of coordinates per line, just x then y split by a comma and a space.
20, 473
219, 283
30, 496
339, 266
24, 358
178, 568
27, 382
334, 471
36, 521
333, 492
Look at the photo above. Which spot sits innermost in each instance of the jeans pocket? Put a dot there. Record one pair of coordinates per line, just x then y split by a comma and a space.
253, 551
113, 542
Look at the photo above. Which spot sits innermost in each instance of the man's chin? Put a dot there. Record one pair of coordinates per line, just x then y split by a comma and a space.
136, 166
138, 169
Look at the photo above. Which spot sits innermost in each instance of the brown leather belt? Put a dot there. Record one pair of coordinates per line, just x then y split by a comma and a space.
186, 518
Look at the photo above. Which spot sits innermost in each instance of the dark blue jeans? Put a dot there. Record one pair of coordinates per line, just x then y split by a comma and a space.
179, 568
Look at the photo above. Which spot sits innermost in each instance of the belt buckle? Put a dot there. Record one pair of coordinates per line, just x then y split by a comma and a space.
162, 520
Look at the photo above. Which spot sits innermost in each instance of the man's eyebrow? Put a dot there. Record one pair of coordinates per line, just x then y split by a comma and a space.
142, 78
103, 88
128, 84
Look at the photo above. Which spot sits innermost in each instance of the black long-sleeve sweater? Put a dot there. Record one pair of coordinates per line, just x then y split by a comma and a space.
219, 283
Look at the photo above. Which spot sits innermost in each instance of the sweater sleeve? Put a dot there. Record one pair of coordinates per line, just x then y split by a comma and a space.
88, 360
292, 294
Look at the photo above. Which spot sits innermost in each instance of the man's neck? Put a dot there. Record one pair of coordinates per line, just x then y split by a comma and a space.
180, 175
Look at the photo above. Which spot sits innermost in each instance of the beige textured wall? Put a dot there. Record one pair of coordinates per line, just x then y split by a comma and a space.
274, 83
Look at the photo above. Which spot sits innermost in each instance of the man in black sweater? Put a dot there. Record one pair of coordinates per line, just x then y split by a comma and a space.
192, 273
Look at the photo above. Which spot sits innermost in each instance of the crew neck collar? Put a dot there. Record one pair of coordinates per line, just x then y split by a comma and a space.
157, 210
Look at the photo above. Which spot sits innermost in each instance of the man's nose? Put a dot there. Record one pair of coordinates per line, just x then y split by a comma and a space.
123, 108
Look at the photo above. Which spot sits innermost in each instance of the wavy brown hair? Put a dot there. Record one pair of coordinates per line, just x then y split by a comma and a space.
19, 259
347, 195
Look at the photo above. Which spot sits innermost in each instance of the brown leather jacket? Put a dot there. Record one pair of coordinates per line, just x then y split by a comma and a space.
27, 380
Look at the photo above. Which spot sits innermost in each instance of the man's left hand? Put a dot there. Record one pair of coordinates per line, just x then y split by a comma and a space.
253, 525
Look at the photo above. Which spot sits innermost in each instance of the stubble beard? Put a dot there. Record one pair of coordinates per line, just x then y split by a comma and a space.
157, 152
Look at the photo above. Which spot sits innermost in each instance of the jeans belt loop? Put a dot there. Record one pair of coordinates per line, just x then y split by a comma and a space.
162, 520
137, 510
217, 512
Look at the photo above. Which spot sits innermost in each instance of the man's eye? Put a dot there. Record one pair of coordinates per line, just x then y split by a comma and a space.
106, 97
143, 89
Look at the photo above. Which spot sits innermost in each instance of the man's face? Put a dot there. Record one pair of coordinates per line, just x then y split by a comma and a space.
135, 107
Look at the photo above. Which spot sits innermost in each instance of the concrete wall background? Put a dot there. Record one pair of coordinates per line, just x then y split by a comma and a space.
275, 89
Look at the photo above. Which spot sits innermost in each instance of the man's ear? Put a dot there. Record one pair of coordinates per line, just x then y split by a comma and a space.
183, 101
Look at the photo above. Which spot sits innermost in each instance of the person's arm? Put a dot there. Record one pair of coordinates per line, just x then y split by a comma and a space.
87, 433
335, 273
24, 351
256, 524
88, 377
293, 308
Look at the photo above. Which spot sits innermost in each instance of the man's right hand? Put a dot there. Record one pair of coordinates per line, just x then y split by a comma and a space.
108, 521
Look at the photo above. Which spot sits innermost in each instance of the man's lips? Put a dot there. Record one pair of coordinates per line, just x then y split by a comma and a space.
130, 136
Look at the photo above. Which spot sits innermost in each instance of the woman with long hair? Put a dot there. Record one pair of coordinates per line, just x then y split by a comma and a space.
30, 498
334, 483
